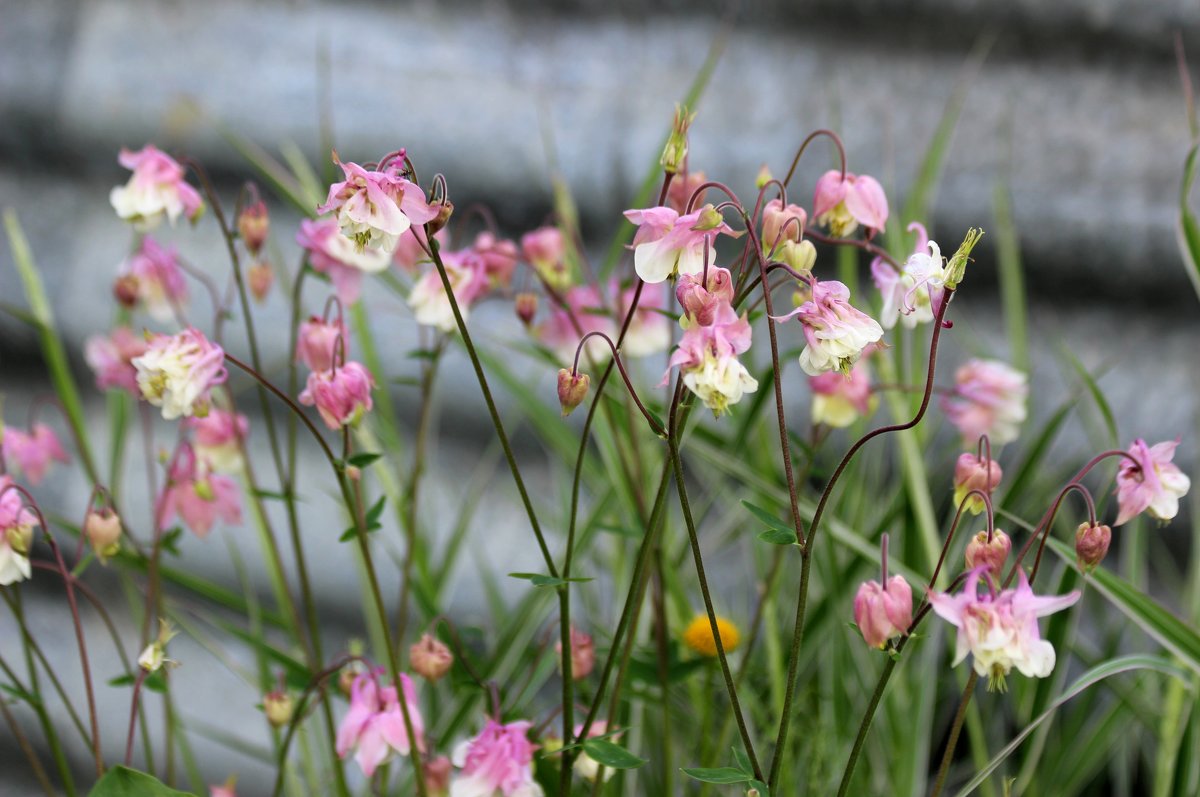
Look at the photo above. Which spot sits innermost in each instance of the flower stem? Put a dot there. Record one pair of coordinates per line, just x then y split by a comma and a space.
955, 729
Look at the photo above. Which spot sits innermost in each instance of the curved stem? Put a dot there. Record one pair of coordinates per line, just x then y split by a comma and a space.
837, 141
616, 358
866, 246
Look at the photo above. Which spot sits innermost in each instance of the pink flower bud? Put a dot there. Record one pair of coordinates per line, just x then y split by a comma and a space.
972, 473
583, 654
125, 291
683, 185
546, 251
254, 223
317, 343
782, 223
1091, 544
437, 776
883, 612
430, 658
572, 389
526, 305
993, 555
103, 530
279, 708
261, 277
341, 395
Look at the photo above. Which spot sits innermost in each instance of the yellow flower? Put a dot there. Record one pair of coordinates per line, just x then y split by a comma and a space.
699, 637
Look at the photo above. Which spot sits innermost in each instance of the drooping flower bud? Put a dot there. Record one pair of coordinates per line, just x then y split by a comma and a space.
675, 152
342, 395
261, 277
572, 389
445, 210
317, 343
993, 554
279, 707
125, 290
683, 185
972, 473
526, 305
800, 256
430, 658
1091, 544
254, 223
780, 223
103, 530
583, 654
883, 612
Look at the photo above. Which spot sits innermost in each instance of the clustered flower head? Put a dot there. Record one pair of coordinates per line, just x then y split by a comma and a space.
836, 332
156, 188
498, 762
667, 244
33, 451
988, 399
374, 726
374, 207
17, 522
1150, 482
178, 372
1000, 630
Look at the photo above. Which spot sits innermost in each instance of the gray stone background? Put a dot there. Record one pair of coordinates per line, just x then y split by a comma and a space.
1077, 110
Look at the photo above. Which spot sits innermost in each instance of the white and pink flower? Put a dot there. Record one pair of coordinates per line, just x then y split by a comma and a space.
375, 207
16, 534
156, 188
1000, 631
838, 399
467, 272
160, 283
912, 294
988, 399
374, 726
836, 332
496, 763
499, 256
336, 256
219, 439
667, 244
649, 330
197, 496
178, 373
342, 395
842, 204
33, 451
707, 356
1152, 484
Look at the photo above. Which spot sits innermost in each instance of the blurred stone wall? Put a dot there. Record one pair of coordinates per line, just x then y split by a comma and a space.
1076, 112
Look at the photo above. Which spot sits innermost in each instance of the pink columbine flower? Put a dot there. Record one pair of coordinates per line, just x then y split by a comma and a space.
16, 534
667, 244
988, 399
843, 204
111, 359
546, 251
565, 327
375, 207
702, 301
882, 612
841, 399
499, 256
1152, 484
836, 332
496, 763
341, 395
219, 438
782, 223
683, 185
178, 372
155, 189
317, 343
1000, 630
707, 357
198, 496
583, 654
160, 283
468, 279
374, 725
973, 473
649, 330
336, 256
33, 451
912, 295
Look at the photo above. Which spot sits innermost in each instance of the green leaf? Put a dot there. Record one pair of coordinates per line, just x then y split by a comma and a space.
778, 536
611, 755
724, 775
124, 782
1089, 678
539, 580
270, 495
1188, 232
352, 532
1174, 634
766, 517
364, 459
21, 694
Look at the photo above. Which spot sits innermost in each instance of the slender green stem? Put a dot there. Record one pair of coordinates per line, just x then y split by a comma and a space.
865, 725
940, 782
39, 771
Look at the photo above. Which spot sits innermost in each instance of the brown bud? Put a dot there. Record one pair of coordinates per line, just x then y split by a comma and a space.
572, 389
125, 291
445, 209
430, 658
1091, 544
526, 305
261, 277
254, 223
993, 554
